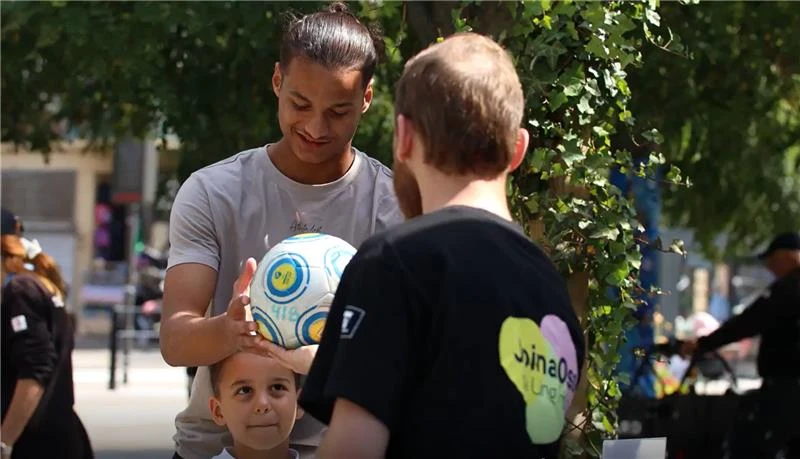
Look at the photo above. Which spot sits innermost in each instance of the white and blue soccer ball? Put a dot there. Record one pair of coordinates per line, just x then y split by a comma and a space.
294, 285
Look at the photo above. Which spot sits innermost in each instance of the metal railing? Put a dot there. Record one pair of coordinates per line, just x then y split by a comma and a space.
123, 332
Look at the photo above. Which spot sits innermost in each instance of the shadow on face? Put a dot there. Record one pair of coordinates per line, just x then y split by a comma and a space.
781, 262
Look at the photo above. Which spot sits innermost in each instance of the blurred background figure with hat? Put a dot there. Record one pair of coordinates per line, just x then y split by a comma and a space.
782, 256
11, 223
769, 427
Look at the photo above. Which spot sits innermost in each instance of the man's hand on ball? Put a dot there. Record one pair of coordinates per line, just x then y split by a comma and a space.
298, 360
240, 329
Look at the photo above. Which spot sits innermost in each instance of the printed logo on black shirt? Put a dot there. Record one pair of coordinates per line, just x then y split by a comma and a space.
351, 320
19, 323
542, 363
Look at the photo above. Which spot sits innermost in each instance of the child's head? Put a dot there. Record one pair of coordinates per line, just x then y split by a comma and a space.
256, 398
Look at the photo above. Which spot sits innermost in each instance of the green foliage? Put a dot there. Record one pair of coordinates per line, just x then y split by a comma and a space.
729, 112
200, 71
377, 127
723, 90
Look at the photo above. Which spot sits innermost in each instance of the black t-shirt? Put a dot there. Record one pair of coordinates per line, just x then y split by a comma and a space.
37, 342
457, 332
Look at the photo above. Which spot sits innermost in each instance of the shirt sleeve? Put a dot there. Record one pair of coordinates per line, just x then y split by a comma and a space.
33, 354
192, 237
366, 349
750, 322
388, 213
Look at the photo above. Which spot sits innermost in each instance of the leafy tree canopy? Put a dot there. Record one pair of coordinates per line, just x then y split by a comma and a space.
200, 71
723, 92
728, 108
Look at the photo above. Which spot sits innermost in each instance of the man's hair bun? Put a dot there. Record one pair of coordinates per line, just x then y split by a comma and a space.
338, 7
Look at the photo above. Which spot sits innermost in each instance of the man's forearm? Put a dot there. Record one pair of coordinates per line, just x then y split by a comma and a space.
189, 341
353, 448
27, 394
745, 325
353, 433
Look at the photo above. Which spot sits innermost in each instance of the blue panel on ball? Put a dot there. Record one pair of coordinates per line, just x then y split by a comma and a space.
268, 327
286, 278
304, 237
308, 328
336, 259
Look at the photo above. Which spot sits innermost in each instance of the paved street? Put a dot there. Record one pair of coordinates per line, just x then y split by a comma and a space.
135, 421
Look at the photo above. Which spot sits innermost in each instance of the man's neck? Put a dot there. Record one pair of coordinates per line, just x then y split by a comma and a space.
439, 190
240, 451
309, 174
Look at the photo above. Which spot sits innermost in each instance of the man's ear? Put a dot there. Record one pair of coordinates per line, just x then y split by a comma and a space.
216, 411
277, 79
523, 138
403, 138
367, 97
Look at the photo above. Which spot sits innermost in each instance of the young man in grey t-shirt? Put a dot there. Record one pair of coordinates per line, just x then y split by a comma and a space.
312, 180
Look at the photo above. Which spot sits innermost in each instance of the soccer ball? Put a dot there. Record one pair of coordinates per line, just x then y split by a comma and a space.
294, 285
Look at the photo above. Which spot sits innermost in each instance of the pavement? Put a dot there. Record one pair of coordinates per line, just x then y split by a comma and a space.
136, 420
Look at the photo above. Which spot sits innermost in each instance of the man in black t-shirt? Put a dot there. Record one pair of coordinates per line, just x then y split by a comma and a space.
451, 335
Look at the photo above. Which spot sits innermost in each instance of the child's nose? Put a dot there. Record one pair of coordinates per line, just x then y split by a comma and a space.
262, 404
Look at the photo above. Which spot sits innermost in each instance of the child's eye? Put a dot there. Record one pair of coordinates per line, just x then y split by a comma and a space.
244, 390
299, 107
278, 387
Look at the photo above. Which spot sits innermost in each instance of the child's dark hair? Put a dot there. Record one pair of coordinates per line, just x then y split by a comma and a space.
215, 371
335, 39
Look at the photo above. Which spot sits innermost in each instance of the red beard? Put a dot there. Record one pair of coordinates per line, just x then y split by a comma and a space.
407, 190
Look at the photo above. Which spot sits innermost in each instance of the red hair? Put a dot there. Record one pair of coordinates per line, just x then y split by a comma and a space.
43, 264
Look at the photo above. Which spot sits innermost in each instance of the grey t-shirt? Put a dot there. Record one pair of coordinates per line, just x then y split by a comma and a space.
221, 216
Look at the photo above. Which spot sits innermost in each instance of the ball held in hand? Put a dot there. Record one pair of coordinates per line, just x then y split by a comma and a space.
294, 285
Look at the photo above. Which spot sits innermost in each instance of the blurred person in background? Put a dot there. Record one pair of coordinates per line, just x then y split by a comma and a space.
38, 419
771, 425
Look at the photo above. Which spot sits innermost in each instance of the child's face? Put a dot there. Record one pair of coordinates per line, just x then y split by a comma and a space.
257, 401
